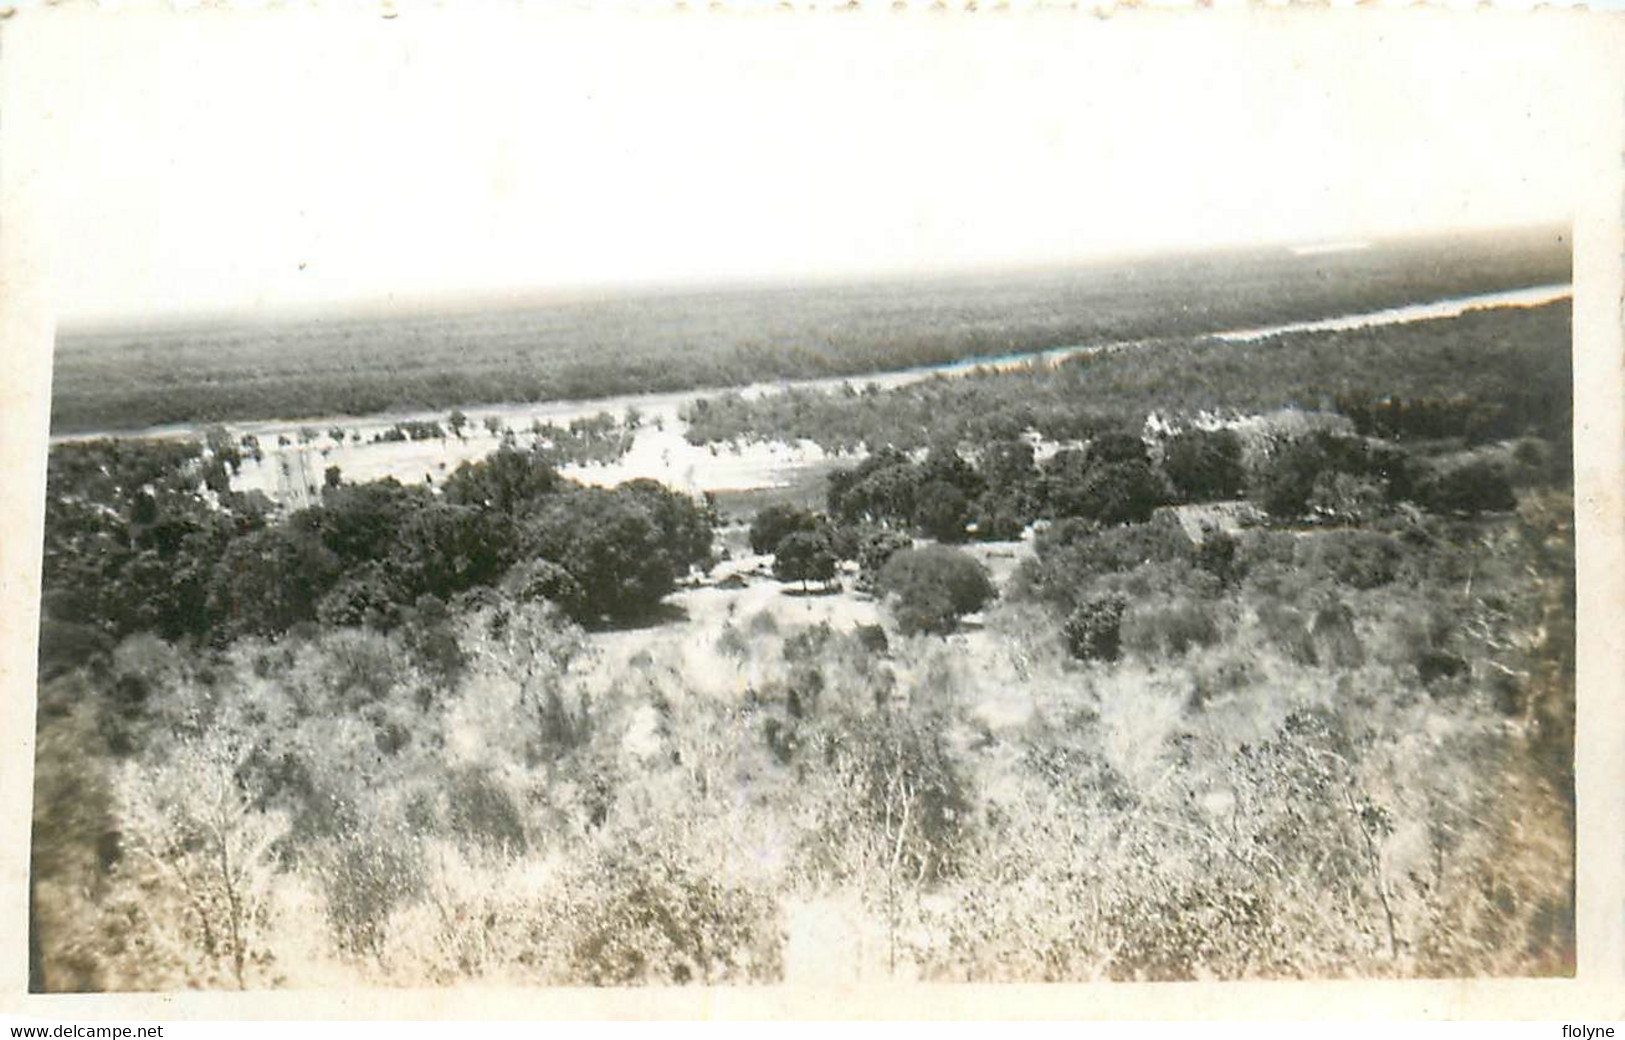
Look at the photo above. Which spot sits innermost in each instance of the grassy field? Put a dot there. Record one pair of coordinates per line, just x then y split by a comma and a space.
586, 346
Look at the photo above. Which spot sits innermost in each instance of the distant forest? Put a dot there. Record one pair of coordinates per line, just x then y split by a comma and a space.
252, 367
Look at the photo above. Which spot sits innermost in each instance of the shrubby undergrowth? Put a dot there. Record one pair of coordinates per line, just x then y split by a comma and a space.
504, 733
1226, 780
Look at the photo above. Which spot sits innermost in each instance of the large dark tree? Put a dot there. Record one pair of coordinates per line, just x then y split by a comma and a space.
773, 523
613, 546
1109, 492
687, 528
360, 522
941, 511
885, 496
943, 464
131, 539
1291, 475
1205, 465
443, 549
850, 504
804, 556
271, 580
1014, 496
509, 480
933, 587
1116, 446
1007, 466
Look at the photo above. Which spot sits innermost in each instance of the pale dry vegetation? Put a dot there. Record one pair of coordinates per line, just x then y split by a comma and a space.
1255, 801
987, 716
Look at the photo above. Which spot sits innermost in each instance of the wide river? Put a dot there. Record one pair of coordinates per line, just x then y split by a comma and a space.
292, 472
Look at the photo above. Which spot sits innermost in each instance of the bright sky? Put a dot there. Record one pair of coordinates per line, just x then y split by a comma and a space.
226, 161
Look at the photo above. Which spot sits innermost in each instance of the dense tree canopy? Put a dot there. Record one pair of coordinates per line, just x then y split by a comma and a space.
1205, 465
444, 549
934, 586
141, 537
621, 546
1112, 492
361, 522
686, 527
1114, 446
509, 480
942, 511
1294, 470
804, 556
270, 580
774, 522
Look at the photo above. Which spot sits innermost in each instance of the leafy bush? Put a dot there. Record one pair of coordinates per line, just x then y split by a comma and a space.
872, 638
1115, 446
1469, 488
641, 918
366, 595
1397, 417
944, 465
1093, 630
1170, 628
1002, 517
508, 480
1075, 555
624, 548
934, 586
1292, 474
1220, 555
1359, 559
1432, 665
482, 812
1006, 466
1109, 492
775, 522
1342, 498
1205, 465
541, 579
1289, 479
804, 556
875, 547
941, 511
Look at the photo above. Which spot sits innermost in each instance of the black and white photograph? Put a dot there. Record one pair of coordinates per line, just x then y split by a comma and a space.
562, 499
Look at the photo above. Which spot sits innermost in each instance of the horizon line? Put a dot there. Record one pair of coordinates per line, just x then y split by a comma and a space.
519, 297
